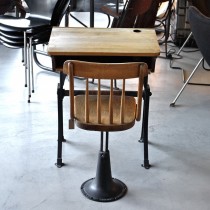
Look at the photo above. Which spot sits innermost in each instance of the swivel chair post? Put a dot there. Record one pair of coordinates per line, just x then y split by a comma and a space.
103, 187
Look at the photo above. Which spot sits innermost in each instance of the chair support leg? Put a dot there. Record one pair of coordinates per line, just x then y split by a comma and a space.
31, 64
35, 52
60, 95
183, 87
25, 59
29, 73
144, 133
103, 187
184, 43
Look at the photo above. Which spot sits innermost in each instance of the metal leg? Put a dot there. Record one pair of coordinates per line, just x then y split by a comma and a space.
144, 134
25, 57
35, 52
31, 63
67, 16
167, 25
91, 13
183, 87
184, 43
29, 74
60, 95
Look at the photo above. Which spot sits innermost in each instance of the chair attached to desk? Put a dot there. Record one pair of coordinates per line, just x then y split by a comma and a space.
106, 111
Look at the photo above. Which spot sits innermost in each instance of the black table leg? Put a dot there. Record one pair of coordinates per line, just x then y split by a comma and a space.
92, 13
144, 133
60, 96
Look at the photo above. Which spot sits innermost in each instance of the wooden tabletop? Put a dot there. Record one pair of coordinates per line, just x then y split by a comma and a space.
103, 42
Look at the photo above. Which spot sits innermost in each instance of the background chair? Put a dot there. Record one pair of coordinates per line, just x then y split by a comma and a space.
128, 16
200, 27
87, 6
10, 5
163, 20
35, 29
204, 7
136, 14
104, 111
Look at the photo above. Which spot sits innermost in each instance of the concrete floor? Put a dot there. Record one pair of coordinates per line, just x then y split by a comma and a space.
179, 148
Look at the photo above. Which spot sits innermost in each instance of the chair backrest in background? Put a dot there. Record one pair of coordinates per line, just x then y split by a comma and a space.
41, 8
200, 27
203, 6
52, 10
138, 14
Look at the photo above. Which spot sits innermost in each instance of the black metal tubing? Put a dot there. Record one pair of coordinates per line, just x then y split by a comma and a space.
37, 61
144, 132
92, 13
60, 94
78, 21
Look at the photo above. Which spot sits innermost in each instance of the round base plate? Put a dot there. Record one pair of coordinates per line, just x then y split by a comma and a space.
116, 190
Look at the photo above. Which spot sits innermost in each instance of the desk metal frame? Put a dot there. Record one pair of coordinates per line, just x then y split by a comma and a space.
60, 52
61, 93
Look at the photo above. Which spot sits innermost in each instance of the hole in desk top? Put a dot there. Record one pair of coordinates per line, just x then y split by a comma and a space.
136, 30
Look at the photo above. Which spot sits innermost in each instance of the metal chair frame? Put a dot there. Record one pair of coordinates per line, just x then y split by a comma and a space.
200, 30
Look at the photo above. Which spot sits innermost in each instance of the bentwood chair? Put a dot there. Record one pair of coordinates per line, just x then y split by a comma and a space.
10, 5
104, 111
33, 30
136, 14
200, 27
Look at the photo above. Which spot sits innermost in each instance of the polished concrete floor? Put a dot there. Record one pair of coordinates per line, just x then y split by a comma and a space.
179, 145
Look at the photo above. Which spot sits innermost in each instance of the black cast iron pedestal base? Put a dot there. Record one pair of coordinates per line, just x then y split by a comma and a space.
118, 190
103, 187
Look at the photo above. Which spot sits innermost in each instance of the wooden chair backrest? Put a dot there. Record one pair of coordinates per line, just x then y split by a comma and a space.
132, 9
138, 14
108, 71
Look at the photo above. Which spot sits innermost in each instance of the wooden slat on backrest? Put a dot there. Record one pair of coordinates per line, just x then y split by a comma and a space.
105, 71
140, 87
70, 67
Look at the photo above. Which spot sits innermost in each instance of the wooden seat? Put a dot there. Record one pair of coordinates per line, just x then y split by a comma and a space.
105, 111
105, 125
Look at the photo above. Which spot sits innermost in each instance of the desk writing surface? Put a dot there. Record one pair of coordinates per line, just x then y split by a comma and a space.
103, 42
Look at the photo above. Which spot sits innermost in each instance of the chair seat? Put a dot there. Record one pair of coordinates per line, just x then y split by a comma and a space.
129, 113
23, 24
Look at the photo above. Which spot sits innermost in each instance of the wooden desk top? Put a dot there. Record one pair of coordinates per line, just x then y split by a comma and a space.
103, 42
